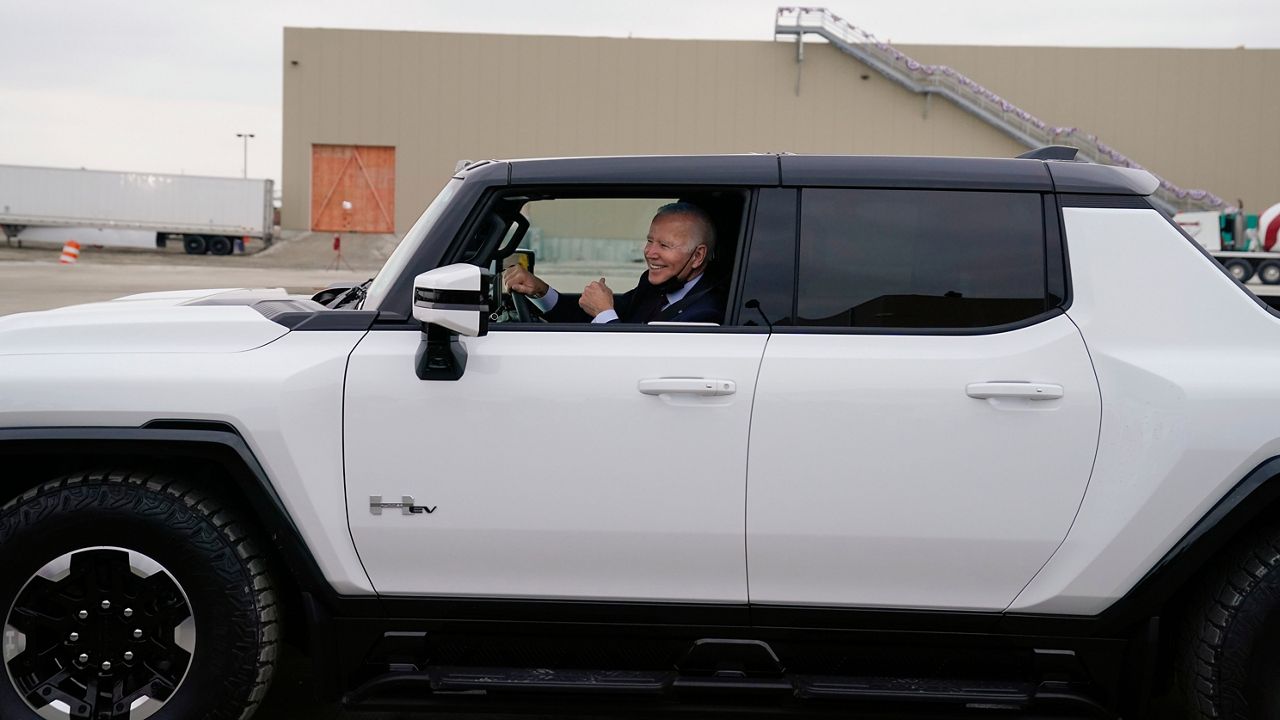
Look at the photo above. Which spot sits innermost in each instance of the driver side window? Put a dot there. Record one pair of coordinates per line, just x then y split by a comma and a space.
577, 240
566, 244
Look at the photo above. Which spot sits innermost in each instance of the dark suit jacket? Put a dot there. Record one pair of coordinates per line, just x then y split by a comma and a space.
704, 303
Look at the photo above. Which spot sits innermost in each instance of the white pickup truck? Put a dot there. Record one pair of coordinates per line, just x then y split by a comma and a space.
942, 448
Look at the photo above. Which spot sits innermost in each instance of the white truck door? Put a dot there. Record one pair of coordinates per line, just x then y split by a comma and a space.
924, 431
546, 472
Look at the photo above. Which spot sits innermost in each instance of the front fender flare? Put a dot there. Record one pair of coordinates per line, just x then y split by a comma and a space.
31, 453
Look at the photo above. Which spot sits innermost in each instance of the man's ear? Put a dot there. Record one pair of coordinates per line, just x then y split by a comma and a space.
699, 256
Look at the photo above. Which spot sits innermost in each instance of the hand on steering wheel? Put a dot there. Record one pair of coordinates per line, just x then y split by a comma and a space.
522, 307
520, 283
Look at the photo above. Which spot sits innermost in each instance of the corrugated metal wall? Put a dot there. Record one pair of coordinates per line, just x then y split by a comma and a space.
1199, 116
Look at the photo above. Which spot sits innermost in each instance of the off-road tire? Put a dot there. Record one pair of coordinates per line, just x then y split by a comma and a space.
1231, 650
196, 539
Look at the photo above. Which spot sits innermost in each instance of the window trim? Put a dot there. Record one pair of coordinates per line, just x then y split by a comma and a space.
624, 327
1055, 237
750, 244
984, 330
738, 276
621, 192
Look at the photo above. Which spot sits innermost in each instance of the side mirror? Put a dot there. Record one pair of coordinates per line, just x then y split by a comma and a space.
449, 301
454, 297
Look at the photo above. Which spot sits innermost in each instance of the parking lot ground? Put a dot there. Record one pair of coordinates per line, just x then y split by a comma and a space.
32, 279
26, 286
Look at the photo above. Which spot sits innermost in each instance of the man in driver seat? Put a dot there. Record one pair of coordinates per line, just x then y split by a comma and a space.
680, 244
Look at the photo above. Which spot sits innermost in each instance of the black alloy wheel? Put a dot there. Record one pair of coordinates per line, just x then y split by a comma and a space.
131, 639
129, 596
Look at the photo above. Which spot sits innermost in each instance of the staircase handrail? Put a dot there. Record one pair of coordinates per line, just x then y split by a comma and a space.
944, 80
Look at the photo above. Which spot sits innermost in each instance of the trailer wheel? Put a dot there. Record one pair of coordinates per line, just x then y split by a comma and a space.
219, 245
1269, 272
195, 244
1239, 269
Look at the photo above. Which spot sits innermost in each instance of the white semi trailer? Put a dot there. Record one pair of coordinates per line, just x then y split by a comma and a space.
104, 208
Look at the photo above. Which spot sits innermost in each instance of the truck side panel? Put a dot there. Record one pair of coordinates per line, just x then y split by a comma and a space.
1185, 361
284, 398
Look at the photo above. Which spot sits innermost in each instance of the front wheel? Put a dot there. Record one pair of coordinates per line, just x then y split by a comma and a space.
129, 596
1231, 652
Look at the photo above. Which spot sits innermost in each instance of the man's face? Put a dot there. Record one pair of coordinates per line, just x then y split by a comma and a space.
671, 243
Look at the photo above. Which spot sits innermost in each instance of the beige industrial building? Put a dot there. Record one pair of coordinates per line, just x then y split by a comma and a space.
375, 121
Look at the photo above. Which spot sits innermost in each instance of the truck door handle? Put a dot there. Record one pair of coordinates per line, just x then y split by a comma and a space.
1028, 390
686, 386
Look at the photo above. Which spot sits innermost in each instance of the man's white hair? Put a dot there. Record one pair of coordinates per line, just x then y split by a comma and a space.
705, 229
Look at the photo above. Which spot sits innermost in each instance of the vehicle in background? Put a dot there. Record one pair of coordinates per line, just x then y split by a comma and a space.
134, 209
1244, 244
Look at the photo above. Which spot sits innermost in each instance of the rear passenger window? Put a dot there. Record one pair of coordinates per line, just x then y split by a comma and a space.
920, 258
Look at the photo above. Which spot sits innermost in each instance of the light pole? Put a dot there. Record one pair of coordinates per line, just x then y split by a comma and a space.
244, 169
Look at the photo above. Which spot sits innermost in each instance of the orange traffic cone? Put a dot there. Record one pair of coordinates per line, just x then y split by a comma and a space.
70, 253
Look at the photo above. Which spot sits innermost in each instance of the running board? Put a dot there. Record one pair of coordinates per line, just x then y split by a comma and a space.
625, 682
973, 693
449, 686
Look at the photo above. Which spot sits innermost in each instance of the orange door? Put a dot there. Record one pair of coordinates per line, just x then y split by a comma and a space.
353, 188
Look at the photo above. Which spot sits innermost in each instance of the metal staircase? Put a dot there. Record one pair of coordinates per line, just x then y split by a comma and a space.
973, 97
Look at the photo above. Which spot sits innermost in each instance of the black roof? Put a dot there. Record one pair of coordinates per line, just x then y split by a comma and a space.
851, 171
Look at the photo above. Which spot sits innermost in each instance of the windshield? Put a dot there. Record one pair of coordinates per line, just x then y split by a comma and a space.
399, 259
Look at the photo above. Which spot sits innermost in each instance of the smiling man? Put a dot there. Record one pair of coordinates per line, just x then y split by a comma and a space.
677, 251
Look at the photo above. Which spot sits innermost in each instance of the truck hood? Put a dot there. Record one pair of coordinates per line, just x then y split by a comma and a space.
183, 321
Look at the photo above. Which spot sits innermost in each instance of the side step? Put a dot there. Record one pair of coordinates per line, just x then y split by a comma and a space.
447, 686
410, 688
454, 679
972, 693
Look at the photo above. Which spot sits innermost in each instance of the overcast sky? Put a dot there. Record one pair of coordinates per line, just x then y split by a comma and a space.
165, 85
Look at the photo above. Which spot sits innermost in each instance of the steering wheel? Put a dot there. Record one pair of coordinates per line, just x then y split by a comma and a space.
522, 306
